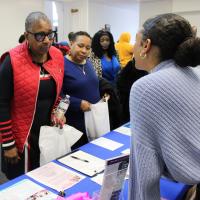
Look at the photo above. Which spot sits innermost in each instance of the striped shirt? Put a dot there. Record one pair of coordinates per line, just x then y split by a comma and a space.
165, 125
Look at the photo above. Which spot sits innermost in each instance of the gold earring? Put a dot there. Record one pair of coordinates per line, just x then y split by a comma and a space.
143, 56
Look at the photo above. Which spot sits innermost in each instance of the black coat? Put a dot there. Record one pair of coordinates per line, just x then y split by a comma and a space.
113, 103
128, 75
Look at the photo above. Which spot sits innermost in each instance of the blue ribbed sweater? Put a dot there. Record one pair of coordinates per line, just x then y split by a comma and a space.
165, 124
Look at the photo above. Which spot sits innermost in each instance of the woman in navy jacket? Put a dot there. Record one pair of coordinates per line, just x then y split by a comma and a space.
80, 83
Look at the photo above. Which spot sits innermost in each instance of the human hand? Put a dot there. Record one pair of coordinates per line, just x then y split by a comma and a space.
58, 119
85, 106
106, 97
11, 155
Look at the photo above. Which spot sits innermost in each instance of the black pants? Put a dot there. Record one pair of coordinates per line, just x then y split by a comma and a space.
197, 197
14, 170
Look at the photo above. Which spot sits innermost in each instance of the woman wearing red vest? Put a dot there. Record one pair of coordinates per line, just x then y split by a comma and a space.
31, 76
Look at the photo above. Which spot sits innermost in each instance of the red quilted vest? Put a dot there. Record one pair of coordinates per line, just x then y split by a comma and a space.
26, 76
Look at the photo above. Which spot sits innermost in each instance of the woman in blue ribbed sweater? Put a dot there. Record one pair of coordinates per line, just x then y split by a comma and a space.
165, 107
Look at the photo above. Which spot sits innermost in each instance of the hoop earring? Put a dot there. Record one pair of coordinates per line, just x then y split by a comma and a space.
143, 56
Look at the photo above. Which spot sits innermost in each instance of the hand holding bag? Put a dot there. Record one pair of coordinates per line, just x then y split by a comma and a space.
55, 142
97, 120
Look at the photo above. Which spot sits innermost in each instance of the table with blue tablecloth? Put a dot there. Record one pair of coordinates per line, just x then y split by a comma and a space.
169, 190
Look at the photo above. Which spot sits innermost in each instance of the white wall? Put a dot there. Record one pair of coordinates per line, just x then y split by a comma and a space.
190, 10
75, 21
185, 5
152, 8
92, 16
48, 9
121, 19
12, 19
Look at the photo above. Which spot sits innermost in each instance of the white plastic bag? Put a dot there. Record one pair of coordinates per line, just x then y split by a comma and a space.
55, 142
97, 120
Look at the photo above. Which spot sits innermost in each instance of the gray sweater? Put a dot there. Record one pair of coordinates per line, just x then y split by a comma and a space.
165, 124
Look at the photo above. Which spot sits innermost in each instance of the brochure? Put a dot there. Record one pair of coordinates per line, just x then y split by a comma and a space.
113, 179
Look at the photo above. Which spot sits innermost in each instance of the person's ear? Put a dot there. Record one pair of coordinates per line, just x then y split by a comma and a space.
146, 46
26, 35
71, 43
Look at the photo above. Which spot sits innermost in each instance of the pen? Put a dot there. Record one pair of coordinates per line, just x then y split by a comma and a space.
96, 172
62, 193
77, 158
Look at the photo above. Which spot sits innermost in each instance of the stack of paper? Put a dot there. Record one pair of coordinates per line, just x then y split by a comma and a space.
26, 190
123, 130
55, 176
107, 143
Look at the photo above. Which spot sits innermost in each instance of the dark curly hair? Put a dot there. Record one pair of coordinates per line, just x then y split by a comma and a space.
174, 37
96, 46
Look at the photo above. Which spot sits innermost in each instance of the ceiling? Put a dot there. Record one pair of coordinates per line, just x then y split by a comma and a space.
115, 1
122, 3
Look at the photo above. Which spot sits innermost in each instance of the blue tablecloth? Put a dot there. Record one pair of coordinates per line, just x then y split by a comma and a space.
169, 190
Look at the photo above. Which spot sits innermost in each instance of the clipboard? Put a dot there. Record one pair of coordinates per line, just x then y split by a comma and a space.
83, 162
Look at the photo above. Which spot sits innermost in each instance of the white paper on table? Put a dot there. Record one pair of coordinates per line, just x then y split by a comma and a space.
127, 173
124, 130
26, 190
84, 162
56, 176
107, 143
126, 151
98, 179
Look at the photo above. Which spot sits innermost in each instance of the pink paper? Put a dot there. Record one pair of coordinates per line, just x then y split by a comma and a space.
79, 196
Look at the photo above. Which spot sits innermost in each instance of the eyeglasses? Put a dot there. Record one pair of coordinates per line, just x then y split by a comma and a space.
40, 36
